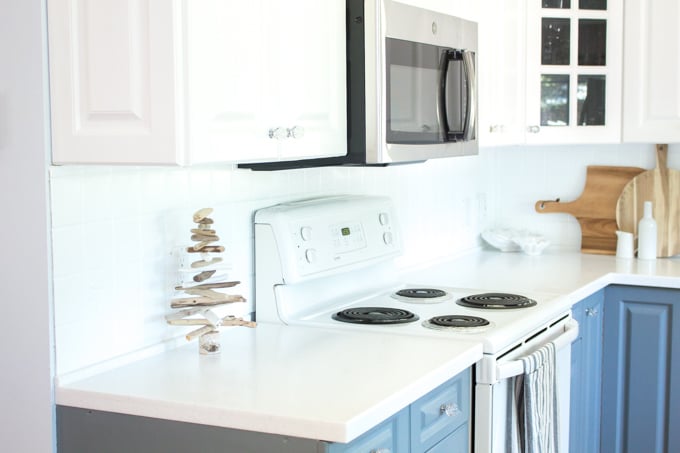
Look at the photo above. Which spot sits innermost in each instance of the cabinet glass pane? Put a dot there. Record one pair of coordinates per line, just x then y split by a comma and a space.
563, 4
554, 100
555, 38
592, 42
593, 4
590, 95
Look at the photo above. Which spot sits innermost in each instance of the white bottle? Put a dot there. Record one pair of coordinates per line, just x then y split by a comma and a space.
647, 234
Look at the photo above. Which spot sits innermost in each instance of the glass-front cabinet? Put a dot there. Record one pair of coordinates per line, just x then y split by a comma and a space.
573, 78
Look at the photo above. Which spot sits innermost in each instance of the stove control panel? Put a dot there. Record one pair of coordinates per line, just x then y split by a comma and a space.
317, 237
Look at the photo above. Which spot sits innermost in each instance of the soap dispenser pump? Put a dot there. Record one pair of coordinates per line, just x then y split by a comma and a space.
647, 235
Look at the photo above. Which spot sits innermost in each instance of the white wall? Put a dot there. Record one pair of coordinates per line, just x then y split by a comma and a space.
27, 418
115, 230
520, 176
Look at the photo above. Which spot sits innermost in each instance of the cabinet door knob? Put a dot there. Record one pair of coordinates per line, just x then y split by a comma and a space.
296, 132
380, 450
534, 129
591, 312
278, 133
449, 409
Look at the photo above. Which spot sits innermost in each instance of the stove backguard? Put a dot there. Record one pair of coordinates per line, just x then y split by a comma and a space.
348, 243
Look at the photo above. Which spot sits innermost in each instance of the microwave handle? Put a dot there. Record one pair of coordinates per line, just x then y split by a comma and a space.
470, 130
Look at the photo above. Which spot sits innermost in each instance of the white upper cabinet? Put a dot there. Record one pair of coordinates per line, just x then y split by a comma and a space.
574, 52
113, 79
502, 67
179, 82
550, 72
651, 95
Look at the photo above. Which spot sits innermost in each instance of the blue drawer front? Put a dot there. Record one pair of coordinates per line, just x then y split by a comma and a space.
440, 412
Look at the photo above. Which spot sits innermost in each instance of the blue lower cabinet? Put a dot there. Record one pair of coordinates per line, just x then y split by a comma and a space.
641, 366
436, 422
439, 413
586, 375
391, 436
456, 442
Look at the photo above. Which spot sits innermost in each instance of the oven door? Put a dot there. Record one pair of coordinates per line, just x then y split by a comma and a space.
496, 429
431, 93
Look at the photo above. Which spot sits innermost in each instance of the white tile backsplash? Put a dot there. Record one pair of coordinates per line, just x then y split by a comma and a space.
116, 229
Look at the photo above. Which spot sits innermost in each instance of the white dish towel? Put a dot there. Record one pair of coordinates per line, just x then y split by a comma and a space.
537, 403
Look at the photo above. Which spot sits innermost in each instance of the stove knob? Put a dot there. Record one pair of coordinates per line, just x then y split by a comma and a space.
310, 255
306, 233
387, 238
383, 218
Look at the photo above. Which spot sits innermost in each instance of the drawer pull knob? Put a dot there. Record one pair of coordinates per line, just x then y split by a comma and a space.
591, 312
449, 409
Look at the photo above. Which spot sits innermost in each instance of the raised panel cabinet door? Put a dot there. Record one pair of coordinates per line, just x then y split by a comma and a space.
651, 71
113, 81
573, 71
641, 381
586, 375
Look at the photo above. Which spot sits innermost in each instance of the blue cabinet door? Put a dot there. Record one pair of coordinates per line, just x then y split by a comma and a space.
392, 436
586, 375
641, 391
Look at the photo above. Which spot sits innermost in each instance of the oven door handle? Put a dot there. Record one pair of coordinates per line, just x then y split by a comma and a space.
516, 367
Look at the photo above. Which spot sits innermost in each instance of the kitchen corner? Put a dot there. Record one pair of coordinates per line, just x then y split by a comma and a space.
296, 381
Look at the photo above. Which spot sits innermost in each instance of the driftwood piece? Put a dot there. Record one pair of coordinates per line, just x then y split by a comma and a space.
204, 263
204, 231
209, 293
205, 247
208, 286
205, 301
202, 214
226, 321
203, 276
204, 237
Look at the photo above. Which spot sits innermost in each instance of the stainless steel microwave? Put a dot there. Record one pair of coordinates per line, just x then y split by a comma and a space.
411, 86
419, 85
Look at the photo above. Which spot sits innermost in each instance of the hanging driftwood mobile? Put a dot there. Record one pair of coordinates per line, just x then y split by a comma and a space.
205, 292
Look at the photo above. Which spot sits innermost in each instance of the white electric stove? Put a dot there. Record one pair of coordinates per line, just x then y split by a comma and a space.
329, 262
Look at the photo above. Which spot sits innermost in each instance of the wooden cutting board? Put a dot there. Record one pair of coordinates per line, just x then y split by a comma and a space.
661, 186
595, 209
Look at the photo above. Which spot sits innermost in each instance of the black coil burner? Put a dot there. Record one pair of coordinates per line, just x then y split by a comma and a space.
496, 301
421, 293
458, 321
375, 315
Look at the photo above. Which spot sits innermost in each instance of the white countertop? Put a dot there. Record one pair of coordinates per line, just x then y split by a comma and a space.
571, 275
298, 381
